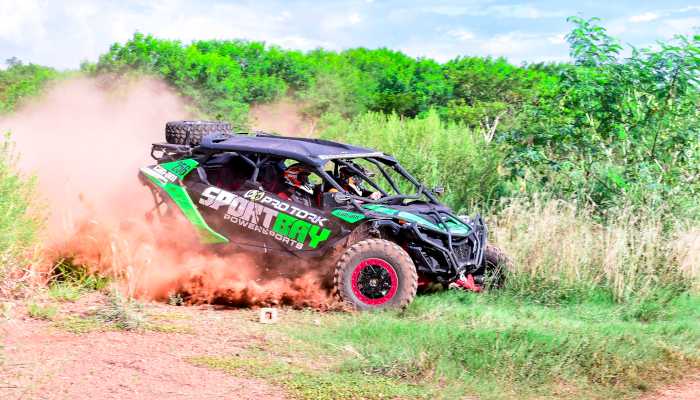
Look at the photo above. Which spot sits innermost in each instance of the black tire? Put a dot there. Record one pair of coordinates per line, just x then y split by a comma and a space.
376, 274
176, 131
496, 264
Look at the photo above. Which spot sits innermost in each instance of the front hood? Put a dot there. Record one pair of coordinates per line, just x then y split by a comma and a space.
456, 226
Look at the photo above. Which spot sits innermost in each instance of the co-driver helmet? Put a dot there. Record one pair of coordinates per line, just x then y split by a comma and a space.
297, 175
352, 179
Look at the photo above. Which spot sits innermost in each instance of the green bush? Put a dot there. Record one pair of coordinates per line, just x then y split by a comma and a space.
22, 218
22, 82
621, 131
223, 77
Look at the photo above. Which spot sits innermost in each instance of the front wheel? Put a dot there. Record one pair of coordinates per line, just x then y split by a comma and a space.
376, 274
497, 264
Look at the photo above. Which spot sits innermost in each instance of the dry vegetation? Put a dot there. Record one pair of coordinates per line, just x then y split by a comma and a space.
559, 244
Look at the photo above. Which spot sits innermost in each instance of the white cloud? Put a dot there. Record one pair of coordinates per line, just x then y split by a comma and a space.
522, 11
21, 21
690, 8
558, 39
512, 43
60, 33
680, 26
355, 18
648, 16
516, 46
449, 10
301, 43
510, 11
461, 34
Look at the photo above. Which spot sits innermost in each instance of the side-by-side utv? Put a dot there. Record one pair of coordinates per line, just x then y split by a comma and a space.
228, 184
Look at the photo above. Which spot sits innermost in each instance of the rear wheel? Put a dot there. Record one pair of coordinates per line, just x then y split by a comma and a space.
376, 274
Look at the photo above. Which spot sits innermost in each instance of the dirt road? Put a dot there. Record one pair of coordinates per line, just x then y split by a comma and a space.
41, 360
67, 359
687, 390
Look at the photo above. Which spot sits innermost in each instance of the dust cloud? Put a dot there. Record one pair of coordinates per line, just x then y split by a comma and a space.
86, 140
278, 117
86, 144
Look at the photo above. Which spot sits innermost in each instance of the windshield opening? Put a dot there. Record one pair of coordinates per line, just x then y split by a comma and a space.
380, 177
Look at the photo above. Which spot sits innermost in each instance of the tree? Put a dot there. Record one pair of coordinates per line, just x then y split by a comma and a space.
622, 131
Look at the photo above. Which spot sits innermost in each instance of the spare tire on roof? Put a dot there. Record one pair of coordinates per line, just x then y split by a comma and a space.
176, 131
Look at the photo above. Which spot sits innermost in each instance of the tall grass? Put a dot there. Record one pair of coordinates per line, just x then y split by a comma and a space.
561, 250
22, 218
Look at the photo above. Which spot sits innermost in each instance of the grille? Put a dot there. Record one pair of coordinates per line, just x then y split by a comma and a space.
462, 252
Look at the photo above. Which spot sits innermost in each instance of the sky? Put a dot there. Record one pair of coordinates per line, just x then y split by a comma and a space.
62, 33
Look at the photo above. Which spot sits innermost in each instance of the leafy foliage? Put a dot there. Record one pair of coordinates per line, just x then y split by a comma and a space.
621, 131
435, 152
20, 82
223, 77
21, 211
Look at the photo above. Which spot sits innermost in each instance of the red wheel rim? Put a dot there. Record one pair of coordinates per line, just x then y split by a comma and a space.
374, 281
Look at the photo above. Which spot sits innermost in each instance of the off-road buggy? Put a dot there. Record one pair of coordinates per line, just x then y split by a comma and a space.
377, 252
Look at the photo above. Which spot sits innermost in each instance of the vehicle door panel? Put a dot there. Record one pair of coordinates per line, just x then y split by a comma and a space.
296, 227
230, 214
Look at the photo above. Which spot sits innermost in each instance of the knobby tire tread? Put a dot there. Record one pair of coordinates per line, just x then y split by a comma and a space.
406, 294
176, 131
496, 256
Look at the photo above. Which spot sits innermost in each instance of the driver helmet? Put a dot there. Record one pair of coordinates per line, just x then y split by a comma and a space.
354, 180
297, 175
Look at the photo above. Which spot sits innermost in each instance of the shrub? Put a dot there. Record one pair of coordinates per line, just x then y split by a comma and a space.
22, 218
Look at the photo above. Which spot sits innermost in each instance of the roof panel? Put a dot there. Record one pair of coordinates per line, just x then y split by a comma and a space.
310, 151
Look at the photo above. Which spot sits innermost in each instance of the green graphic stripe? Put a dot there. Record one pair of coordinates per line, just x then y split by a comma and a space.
183, 200
348, 216
380, 209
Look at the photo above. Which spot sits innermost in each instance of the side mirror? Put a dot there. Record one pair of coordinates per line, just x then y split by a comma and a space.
439, 190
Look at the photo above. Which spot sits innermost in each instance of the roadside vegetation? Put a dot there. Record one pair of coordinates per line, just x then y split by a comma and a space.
19, 83
587, 173
22, 220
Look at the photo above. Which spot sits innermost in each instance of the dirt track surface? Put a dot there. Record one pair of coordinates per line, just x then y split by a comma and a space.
41, 362
684, 391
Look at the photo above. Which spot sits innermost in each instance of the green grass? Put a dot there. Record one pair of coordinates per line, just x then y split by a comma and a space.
495, 345
124, 312
80, 325
47, 312
171, 329
120, 314
65, 291
305, 383
433, 151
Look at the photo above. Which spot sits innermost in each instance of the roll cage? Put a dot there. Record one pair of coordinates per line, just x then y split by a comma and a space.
258, 159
